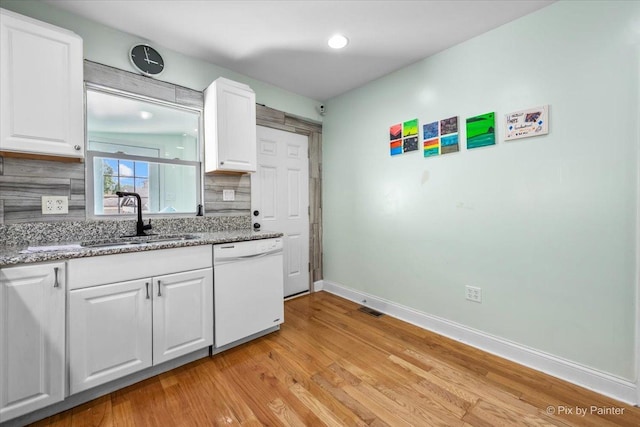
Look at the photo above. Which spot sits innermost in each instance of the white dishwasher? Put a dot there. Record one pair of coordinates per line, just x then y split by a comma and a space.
248, 289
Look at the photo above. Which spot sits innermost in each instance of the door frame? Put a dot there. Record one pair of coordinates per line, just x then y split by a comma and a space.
277, 119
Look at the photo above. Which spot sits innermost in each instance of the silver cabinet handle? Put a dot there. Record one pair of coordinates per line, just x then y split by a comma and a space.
159, 294
148, 297
76, 147
56, 284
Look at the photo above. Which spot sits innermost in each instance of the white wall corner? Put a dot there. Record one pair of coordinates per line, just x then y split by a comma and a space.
318, 286
600, 382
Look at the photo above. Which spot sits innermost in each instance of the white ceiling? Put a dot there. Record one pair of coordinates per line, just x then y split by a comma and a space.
285, 42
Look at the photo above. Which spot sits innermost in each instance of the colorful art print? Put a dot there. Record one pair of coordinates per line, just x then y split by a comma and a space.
396, 147
449, 125
410, 144
481, 130
449, 144
430, 130
410, 128
526, 123
431, 147
395, 132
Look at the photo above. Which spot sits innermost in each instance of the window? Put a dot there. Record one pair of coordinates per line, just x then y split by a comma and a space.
138, 145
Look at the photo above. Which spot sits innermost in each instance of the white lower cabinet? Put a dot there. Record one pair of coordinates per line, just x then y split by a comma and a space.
32, 336
182, 314
109, 333
117, 329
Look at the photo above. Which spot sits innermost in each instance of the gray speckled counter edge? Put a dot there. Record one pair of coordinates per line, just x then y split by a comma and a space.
36, 233
10, 255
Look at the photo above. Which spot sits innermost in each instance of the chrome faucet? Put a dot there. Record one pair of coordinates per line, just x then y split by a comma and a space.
140, 226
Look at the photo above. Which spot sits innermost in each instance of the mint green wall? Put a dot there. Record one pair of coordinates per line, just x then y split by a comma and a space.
108, 46
546, 226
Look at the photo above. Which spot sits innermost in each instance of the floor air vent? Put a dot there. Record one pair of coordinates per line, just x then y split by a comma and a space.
370, 311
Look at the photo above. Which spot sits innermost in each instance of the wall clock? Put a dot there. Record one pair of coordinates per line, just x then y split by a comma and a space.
146, 59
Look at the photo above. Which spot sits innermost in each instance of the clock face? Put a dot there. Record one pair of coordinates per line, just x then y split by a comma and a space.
146, 59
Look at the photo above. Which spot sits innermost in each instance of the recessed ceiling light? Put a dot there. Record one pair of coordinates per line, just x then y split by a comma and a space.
338, 41
145, 115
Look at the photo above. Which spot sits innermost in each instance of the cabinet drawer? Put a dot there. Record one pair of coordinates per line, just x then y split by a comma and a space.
99, 270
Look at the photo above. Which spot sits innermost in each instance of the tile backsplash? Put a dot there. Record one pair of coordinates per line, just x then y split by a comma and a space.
23, 182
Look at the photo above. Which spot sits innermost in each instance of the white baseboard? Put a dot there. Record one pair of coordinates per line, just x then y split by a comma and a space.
600, 382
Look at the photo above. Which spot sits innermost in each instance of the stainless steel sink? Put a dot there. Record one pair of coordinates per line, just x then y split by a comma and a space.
166, 238
105, 244
137, 240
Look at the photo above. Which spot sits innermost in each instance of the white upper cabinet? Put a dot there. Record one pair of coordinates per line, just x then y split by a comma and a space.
229, 127
42, 88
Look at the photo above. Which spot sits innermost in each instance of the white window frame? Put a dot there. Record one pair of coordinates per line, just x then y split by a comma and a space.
91, 154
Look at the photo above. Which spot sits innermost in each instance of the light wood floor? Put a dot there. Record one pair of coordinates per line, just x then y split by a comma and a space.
332, 365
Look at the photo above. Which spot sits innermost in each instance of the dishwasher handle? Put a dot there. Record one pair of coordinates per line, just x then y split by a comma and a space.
247, 257
260, 255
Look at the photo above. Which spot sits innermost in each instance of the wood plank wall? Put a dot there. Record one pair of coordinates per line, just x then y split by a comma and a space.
23, 181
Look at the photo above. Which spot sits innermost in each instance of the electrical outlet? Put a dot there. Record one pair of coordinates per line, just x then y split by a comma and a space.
55, 205
228, 195
473, 293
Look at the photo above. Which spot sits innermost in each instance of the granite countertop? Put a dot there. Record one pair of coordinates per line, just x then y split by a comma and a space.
11, 255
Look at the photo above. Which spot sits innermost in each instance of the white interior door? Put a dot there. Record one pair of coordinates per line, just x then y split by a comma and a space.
280, 199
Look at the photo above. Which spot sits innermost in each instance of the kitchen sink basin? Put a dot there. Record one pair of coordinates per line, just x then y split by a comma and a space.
105, 243
137, 240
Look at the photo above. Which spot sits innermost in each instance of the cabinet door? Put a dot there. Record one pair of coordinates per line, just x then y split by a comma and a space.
32, 339
230, 127
182, 313
109, 332
248, 298
42, 89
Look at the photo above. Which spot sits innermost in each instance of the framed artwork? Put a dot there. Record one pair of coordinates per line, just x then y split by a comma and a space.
410, 135
526, 123
481, 130
395, 132
431, 144
449, 135
410, 128
431, 147
410, 144
449, 144
395, 136
449, 125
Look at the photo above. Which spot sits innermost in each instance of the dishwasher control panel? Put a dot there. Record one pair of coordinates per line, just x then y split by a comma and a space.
269, 245
235, 250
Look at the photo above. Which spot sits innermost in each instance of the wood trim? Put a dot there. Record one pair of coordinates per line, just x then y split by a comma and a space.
31, 156
270, 117
126, 81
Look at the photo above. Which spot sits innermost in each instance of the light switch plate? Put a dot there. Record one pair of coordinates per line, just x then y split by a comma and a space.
55, 205
228, 195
